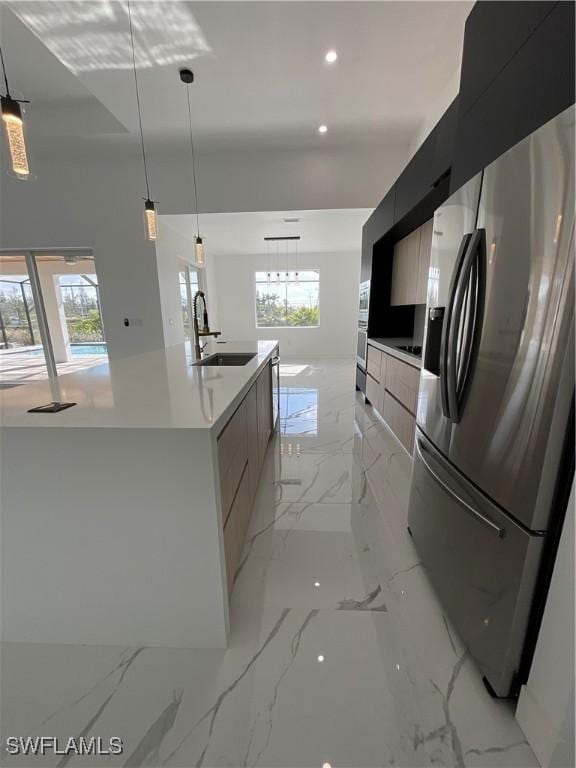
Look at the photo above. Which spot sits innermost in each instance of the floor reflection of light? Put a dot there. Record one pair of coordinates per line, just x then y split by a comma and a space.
287, 369
298, 411
92, 35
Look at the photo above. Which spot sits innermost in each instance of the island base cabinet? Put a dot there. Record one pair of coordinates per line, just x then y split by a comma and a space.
253, 452
264, 404
242, 447
235, 528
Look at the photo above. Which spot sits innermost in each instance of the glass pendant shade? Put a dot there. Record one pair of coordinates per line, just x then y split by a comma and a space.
200, 255
150, 220
12, 116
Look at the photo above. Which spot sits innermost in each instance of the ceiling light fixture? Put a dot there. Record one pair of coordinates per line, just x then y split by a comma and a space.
187, 77
331, 57
150, 220
322, 129
12, 116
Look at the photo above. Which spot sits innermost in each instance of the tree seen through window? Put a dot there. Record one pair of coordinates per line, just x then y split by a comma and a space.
288, 299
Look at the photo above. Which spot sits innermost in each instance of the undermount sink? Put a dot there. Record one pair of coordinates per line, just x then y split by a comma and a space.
228, 358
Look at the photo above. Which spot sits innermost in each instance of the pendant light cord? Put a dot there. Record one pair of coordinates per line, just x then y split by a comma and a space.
4, 71
138, 102
193, 159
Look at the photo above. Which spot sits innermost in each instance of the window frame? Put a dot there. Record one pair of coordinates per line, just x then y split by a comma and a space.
256, 282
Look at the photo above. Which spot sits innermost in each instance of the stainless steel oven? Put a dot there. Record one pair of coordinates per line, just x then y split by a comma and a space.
362, 343
363, 323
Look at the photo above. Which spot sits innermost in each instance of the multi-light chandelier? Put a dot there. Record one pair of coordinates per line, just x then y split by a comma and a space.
12, 117
277, 240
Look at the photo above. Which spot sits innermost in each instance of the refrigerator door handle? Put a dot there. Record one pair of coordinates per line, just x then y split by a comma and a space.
448, 325
500, 532
468, 307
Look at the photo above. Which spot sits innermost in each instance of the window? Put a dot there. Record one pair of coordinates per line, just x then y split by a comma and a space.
81, 303
288, 299
188, 279
18, 323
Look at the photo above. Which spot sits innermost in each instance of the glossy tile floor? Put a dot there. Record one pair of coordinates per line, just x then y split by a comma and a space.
340, 654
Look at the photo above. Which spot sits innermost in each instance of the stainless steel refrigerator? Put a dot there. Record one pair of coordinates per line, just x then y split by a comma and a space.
496, 393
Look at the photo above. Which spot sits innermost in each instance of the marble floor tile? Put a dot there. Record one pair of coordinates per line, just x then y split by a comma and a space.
339, 654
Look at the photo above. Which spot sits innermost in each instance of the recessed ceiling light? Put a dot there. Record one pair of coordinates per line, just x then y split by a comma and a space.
316, 583
320, 658
331, 57
322, 128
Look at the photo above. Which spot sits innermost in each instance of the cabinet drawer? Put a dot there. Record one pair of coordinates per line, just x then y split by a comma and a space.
236, 527
241, 510
374, 362
373, 391
400, 421
232, 456
264, 406
252, 423
402, 381
231, 550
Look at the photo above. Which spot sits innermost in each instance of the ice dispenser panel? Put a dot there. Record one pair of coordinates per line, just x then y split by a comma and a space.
434, 340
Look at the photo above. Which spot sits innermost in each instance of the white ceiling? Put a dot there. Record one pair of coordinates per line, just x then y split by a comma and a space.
240, 234
259, 66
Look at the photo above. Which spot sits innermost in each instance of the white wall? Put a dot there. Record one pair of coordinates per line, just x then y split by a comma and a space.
80, 201
174, 251
339, 279
89, 194
546, 704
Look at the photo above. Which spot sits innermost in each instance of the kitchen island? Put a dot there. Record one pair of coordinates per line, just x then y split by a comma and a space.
123, 517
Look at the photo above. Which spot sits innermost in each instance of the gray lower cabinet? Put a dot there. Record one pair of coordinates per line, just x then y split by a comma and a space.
253, 446
264, 405
373, 392
395, 396
241, 449
400, 421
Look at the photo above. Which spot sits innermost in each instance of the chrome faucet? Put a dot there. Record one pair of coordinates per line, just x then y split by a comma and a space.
205, 328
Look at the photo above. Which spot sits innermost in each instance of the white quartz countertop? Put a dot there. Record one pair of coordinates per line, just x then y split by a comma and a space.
389, 345
160, 389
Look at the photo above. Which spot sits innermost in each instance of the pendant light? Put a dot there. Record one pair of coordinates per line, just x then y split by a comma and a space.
187, 77
296, 274
12, 117
150, 219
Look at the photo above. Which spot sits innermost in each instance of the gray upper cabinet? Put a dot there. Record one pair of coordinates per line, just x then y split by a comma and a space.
405, 270
410, 267
424, 261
